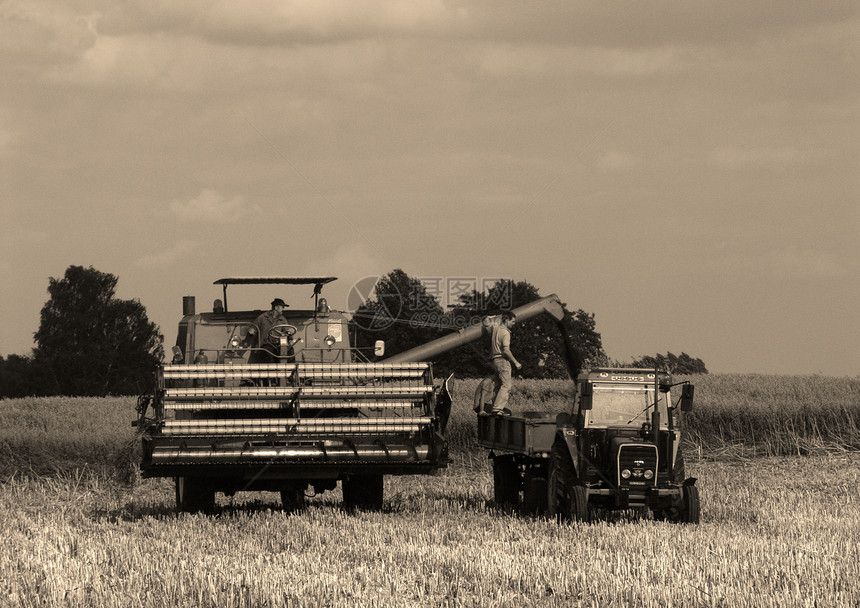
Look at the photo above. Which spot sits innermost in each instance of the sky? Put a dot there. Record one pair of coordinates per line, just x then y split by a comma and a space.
688, 172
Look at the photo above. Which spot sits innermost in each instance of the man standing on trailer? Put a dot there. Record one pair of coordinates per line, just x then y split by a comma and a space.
502, 358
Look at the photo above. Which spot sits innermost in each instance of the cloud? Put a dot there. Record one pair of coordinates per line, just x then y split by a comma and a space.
34, 32
17, 243
739, 158
792, 262
537, 60
347, 261
213, 207
651, 24
615, 161
168, 256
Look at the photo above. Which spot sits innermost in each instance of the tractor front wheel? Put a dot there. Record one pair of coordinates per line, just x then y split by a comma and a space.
690, 507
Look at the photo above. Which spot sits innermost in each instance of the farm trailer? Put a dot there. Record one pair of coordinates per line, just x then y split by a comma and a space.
320, 414
618, 448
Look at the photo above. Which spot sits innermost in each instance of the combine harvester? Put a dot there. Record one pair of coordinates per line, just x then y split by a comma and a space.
322, 413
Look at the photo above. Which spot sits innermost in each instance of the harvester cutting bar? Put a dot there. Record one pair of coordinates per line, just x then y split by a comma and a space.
290, 392
275, 405
204, 371
226, 392
293, 426
364, 453
376, 370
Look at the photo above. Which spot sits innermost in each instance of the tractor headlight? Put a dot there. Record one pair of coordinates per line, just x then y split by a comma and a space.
329, 340
234, 342
649, 474
625, 474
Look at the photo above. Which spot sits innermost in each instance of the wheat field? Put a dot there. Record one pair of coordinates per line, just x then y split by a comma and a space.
81, 529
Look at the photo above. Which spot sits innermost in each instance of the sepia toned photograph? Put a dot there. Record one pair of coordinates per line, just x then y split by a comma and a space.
444, 303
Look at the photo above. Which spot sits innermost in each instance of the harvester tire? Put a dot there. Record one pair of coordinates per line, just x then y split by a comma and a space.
194, 495
506, 482
293, 499
363, 492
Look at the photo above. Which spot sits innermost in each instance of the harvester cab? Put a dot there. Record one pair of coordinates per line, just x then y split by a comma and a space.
224, 336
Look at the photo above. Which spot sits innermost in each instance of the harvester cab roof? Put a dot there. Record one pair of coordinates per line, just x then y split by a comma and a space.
317, 282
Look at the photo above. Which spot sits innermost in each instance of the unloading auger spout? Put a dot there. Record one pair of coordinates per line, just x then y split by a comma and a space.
550, 305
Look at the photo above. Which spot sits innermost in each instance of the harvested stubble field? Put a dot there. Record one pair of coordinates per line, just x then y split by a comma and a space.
777, 530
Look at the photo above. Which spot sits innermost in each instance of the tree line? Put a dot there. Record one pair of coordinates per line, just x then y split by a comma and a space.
91, 343
405, 314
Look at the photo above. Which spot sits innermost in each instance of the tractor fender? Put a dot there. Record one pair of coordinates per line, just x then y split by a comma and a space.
567, 436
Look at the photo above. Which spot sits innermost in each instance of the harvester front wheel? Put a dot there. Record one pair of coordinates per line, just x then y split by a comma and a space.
293, 499
194, 495
363, 492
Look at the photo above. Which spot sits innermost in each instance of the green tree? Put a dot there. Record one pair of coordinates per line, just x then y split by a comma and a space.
22, 376
538, 342
672, 363
405, 315
400, 311
93, 343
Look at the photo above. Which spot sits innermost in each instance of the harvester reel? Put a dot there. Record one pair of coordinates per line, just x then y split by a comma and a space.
284, 330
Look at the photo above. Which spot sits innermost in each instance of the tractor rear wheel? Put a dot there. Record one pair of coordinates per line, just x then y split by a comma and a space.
194, 495
363, 492
559, 483
578, 503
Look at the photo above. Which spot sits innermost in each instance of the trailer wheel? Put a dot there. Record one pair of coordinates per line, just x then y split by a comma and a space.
363, 492
534, 494
559, 483
194, 495
506, 482
293, 499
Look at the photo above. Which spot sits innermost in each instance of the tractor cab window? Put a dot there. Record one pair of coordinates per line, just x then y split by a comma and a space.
625, 404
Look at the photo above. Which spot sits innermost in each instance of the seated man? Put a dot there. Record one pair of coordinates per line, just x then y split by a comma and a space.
259, 334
